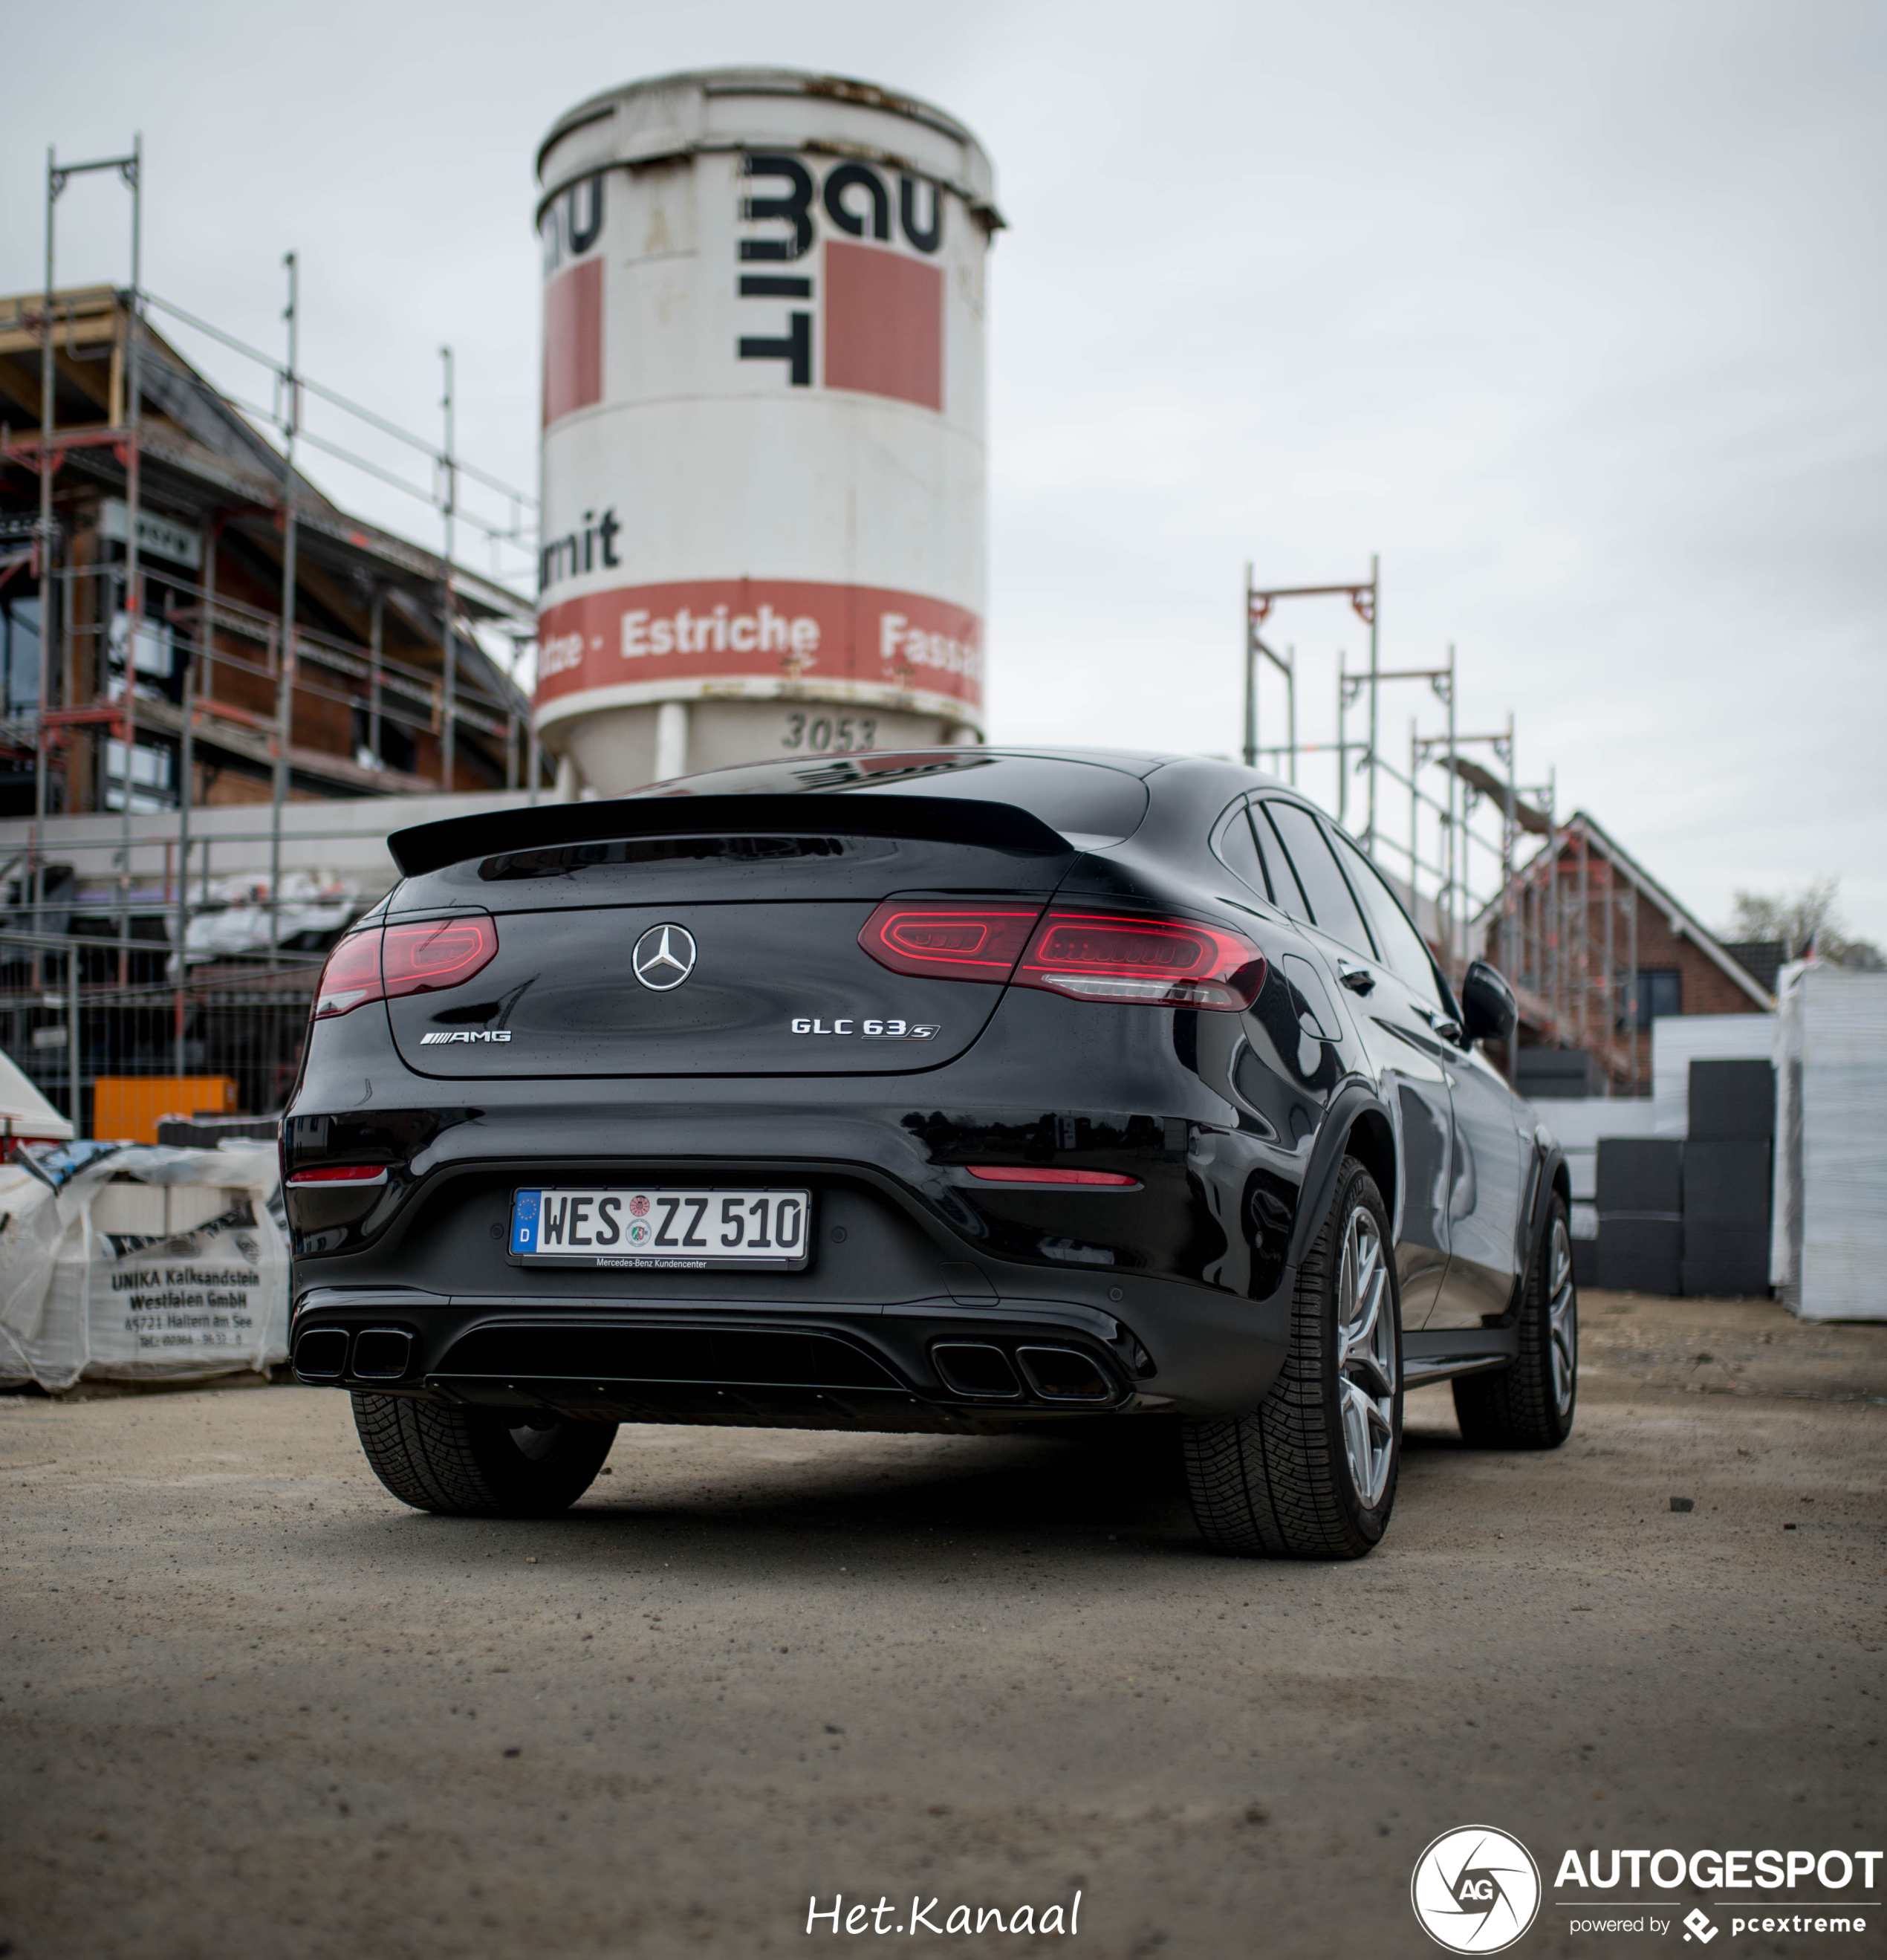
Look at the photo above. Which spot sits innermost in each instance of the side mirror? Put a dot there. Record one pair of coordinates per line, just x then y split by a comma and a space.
1488, 1003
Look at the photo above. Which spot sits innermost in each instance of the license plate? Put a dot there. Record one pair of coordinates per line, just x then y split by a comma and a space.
661, 1230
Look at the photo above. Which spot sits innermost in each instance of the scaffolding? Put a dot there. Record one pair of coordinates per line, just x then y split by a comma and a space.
150, 677
1560, 925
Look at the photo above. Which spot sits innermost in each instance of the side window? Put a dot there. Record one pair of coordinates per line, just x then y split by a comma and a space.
1333, 909
1404, 953
1241, 853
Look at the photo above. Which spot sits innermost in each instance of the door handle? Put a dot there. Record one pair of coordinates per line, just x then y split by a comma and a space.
1442, 1025
1358, 979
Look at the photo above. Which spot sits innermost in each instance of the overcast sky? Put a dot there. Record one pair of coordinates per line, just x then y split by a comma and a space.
1574, 315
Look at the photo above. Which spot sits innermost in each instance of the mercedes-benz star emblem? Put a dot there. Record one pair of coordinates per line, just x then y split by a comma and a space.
663, 958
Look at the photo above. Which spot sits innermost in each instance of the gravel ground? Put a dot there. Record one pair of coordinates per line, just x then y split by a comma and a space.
249, 1705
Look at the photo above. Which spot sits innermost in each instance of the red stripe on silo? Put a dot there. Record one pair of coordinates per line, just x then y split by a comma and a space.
884, 324
572, 339
798, 630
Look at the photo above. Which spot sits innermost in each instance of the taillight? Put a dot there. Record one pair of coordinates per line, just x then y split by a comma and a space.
382, 965
351, 976
1164, 962
447, 952
342, 1174
1088, 955
948, 942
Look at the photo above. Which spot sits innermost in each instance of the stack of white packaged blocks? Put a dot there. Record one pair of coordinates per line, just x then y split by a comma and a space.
1831, 1242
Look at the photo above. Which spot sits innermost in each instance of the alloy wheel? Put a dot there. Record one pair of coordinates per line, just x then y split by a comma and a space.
1366, 1365
1562, 1317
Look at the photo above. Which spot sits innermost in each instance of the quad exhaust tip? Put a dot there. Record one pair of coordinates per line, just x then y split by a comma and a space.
320, 1355
1065, 1375
980, 1371
381, 1355
976, 1369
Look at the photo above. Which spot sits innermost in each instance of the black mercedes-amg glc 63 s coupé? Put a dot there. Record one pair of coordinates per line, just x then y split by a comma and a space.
960, 1090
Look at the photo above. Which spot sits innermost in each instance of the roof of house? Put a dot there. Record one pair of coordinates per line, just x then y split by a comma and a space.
1683, 922
201, 454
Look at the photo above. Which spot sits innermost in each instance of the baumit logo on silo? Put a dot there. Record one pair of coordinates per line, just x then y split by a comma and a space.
881, 313
834, 287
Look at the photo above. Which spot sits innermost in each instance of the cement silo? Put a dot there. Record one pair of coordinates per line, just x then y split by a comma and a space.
763, 402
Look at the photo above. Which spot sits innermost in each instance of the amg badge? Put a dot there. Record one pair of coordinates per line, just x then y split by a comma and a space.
466, 1035
866, 1030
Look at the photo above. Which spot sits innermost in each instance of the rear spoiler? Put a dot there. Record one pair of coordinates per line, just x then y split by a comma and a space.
999, 826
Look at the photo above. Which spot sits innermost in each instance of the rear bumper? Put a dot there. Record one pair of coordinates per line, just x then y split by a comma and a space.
1176, 1290
934, 1364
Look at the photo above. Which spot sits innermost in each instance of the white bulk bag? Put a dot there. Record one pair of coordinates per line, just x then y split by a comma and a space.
146, 1261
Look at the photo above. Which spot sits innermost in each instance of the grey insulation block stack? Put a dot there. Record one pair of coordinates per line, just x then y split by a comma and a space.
1641, 1194
1733, 1102
1728, 1178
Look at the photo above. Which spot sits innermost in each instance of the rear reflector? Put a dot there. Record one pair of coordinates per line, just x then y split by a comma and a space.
342, 1174
1160, 962
948, 942
384, 964
1036, 1174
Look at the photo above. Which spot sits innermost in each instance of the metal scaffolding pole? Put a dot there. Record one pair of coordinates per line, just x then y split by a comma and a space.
134, 582
187, 771
1258, 603
58, 175
1611, 975
1510, 829
1290, 708
74, 1047
1457, 899
1251, 676
285, 662
449, 734
375, 650
54, 185
1585, 935
1376, 614
1632, 1011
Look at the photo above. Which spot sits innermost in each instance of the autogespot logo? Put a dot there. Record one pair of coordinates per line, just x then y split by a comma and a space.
1475, 1890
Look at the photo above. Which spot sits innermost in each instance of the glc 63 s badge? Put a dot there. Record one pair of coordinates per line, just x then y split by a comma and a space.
865, 1029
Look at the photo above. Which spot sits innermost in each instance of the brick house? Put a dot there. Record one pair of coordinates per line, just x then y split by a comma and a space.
1597, 950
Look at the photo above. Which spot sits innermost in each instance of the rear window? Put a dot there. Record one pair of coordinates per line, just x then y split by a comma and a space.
1088, 803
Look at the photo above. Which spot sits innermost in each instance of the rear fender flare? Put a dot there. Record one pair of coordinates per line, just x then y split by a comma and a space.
1356, 1124
1549, 1177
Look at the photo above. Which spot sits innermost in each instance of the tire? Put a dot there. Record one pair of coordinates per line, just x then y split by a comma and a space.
1312, 1472
465, 1463
1529, 1406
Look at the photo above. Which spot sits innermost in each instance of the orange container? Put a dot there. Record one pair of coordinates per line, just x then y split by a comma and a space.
126, 1108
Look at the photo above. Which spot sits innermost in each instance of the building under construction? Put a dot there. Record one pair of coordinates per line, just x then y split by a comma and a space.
365, 702
1597, 950
201, 649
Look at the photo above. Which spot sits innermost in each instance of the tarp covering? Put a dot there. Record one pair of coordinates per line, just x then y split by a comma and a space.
23, 1110
125, 1263
1830, 1250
